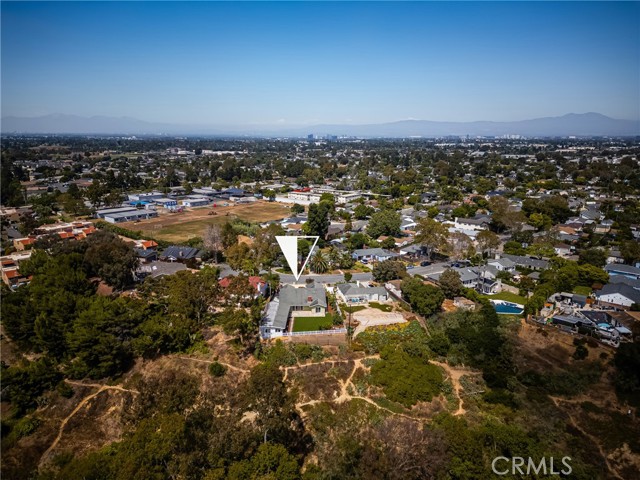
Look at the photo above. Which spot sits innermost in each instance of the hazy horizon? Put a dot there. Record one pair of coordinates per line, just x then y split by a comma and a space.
302, 63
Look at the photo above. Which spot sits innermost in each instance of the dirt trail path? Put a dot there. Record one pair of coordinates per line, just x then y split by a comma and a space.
83, 402
455, 374
344, 395
593, 439
228, 365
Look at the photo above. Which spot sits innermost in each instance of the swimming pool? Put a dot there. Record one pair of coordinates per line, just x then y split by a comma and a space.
507, 308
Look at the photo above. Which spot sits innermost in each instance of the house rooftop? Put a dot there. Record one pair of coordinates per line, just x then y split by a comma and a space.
355, 289
619, 267
290, 296
621, 289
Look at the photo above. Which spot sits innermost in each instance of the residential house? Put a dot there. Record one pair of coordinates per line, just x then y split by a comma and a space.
624, 270
632, 282
503, 264
477, 223
618, 295
412, 250
22, 244
563, 250
527, 262
408, 224
10, 264
373, 254
354, 293
146, 256
157, 269
291, 302
615, 256
176, 253
463, 303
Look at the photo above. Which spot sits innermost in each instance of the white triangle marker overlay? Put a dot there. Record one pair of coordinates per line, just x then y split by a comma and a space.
289, 246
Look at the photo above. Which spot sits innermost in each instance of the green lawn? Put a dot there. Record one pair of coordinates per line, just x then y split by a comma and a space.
380, 306
308, 324
580, 290
507, 297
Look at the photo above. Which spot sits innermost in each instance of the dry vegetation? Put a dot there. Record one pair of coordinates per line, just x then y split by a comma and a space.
179, 227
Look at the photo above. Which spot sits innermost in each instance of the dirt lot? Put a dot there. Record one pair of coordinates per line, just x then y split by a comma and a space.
178, 227
370, 317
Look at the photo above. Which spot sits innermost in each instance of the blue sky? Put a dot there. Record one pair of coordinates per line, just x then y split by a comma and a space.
302, 63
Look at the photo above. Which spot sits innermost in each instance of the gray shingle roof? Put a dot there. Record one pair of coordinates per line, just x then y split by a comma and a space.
180, 253
527, 261
632, 282
349, 289
378, 252
626, 269
297, 297
621, 289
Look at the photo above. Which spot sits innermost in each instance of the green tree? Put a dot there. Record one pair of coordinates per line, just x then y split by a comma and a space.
318, 220
297, 209
384, 222
110, 258
406, 379
593, 256
237, 321
388, 270
488, 241
630, 251
188, 294
424, 299
363, 211
450, 283
318, 264
270, 462
357, 241
229, 235
433, 235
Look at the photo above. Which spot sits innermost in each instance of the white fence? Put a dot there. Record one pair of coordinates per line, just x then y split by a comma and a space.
315, 332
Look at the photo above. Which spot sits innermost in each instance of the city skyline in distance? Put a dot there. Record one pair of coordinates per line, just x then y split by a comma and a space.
283, 65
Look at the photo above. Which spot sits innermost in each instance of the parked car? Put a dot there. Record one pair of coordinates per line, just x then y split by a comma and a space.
410, 266
425, 263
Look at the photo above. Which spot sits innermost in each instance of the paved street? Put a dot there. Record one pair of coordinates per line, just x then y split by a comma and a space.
329, 278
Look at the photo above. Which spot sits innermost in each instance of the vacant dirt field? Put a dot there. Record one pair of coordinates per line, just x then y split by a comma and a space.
370, 317
178, 227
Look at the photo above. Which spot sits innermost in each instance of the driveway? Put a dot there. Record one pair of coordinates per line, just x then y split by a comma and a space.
370, 317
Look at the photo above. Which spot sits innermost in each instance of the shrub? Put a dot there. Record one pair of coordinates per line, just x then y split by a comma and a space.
406, 379
581, 352
65, 390
216, 369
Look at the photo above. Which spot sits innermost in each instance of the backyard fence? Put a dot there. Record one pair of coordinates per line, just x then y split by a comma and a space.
315, 332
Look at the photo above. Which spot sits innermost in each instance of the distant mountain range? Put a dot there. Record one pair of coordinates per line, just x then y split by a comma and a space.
584, 124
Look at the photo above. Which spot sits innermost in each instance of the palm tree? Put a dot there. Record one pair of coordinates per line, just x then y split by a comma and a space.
318, 263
